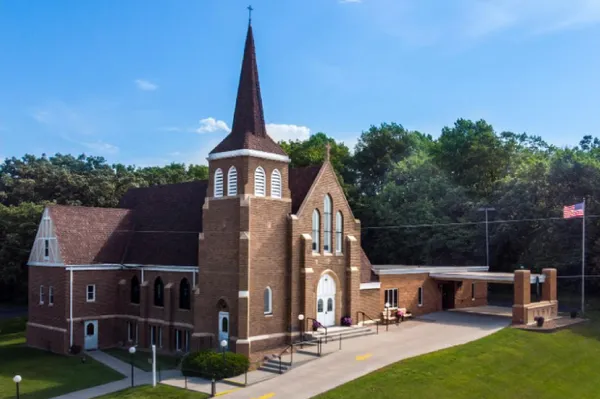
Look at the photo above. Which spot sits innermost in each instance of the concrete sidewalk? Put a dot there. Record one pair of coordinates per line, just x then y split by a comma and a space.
114, 363
363, 355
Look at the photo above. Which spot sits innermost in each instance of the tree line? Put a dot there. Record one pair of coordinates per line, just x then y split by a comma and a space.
418, 197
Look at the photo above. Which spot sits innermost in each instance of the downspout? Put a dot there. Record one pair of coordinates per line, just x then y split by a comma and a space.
71, 307
194, 279
142, 269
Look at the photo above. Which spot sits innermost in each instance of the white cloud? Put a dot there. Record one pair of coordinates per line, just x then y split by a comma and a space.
145, 85
287, 132
101, 147
211, 125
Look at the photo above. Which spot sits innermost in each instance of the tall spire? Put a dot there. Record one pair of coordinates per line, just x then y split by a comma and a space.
248, 116
248, 129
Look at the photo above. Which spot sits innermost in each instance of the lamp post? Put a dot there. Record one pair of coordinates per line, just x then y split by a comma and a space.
223, 346
387, 315
487, 209
301, 319
17, 379
131, 354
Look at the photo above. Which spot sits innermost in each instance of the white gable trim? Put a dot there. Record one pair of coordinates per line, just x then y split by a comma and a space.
45, 248
370, 286
100, 266
248, 153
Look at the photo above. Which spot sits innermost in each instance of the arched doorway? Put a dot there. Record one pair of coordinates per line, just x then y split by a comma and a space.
326, 301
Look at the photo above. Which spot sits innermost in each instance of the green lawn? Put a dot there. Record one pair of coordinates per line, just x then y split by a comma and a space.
509, 364
140, 359
161, 391
44, 374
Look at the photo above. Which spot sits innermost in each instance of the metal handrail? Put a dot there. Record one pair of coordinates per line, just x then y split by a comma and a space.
368, 317
290, 346
321, 326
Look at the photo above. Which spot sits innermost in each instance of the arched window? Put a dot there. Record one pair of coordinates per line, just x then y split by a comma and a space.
159, 292
135, 290
218, 183
339, 227
268, 301
184, 294
327, 226
232, 182
259, 182
316, 226
276, 184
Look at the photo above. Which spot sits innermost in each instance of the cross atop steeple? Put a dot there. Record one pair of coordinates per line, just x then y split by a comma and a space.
250, 9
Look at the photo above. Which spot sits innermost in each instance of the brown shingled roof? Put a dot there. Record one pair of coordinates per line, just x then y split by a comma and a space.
248, 130
91, 235
301, 180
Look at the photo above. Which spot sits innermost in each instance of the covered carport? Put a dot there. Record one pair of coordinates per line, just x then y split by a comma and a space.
523, 311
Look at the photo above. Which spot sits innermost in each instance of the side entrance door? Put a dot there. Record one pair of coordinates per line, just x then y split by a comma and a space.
90, 330
448, 290
326, 301
223, 328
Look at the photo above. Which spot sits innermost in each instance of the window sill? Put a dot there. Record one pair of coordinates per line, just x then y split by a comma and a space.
328, 254
41, 303
91, 300
50, 304
339, 254
421, 305
134, 304
184, 310
316, 254
268, 314
159, 307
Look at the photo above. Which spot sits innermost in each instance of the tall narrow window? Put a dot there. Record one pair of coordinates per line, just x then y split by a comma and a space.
135, 290
472, 291
316, 226
91, 293
259, 182
218, 183
160, 337
152, 335
420, 296
159, 289
276, 184
268, 307
41, 294
130, 331
50, 295
339, 226
327, 225
46, 249
232, 182
184, 294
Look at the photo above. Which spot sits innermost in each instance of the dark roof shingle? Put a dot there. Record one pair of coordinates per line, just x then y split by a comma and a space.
301, 180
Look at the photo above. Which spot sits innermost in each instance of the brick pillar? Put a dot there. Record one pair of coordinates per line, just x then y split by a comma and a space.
145, 298
352, 276
522, 295
549, 285
243, 345
168, 316
308, 275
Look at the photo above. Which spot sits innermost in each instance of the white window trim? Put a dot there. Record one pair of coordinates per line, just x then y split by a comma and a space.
41, 294
260, 172
269, 310
315, 233
87, 293
50, 296
420, 298
339, 232
218, 185
276, 184
392, 305
232, 182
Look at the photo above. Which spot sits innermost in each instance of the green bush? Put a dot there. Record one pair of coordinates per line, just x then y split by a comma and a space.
209, 364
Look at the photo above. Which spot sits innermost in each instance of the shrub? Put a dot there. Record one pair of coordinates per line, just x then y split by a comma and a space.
539, 321
75, 350
347, 321
210, 364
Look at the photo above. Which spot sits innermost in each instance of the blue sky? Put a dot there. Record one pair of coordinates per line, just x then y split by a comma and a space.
153, 82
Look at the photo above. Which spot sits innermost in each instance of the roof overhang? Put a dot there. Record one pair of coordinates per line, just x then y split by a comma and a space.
399, 269
501, 278
248, 153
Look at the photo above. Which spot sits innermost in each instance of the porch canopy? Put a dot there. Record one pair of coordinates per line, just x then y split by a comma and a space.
488, 277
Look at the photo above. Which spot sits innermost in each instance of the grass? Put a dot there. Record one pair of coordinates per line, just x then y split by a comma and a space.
508, 364
161, 391
44, 374
140, 359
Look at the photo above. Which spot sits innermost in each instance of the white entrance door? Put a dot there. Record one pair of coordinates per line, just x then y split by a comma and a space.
223, 328
90, 331
326, 301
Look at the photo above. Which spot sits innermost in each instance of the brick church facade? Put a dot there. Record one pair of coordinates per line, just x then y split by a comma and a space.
238, 257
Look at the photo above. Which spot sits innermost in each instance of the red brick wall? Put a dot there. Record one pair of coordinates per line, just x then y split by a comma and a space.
408, 285
463, 296
370, 303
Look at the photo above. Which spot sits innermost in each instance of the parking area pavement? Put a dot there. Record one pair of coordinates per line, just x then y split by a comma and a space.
363, 355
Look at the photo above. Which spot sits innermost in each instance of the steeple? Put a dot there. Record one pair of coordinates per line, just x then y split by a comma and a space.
248, 129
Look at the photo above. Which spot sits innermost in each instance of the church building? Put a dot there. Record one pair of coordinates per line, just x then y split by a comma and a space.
251, 256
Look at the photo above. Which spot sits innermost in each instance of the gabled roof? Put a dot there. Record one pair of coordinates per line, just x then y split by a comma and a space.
248, 131
301, 180
91, 235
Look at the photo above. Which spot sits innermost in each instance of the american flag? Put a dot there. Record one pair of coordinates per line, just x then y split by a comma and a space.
573, 211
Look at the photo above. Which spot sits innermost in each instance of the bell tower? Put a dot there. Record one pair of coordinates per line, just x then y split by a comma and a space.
243, 249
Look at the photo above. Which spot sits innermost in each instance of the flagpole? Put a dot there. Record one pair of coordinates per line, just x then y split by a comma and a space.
583, 260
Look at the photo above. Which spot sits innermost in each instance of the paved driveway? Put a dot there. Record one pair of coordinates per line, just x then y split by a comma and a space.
363, 355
